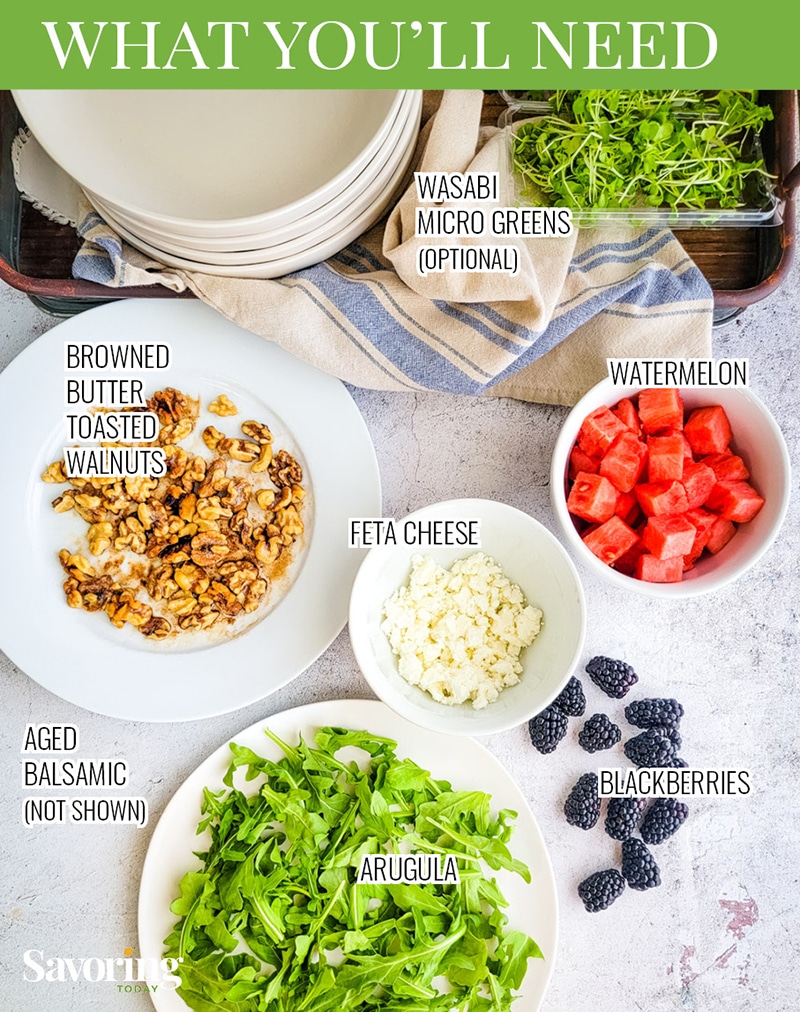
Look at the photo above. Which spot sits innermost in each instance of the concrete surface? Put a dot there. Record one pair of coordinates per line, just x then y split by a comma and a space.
721, 933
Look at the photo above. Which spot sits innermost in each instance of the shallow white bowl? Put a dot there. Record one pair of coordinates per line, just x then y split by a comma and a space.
212, 161
531, 557
756, 438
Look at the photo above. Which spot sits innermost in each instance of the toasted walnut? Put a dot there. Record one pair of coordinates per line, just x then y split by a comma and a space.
176, 432
237, 495
212, 509
99, 536
212, 437
264, 459
285, 470
209, 549
55, 473
172, 406
192, 578
157, 628
257, 431
182, 603
160, 583
265, 498
255, 592
223, 406
64, 502
222, 598
177, 460
240, 449
197, 469
291, 522
215, 479
284, 499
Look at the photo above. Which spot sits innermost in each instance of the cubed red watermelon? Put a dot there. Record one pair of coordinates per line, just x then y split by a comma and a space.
668, 536
735, 500
654, 570
665, 456
592, 497
708, 430
660, 498
727, 466
611, 540
720, 534
657, 529
598, 432
624, 461
698, 480
580, 461
626, 412
660, 409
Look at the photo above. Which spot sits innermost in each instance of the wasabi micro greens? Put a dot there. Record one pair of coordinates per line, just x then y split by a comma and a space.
618, 149
276, 922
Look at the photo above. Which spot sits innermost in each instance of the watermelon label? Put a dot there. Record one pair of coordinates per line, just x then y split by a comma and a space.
694, 373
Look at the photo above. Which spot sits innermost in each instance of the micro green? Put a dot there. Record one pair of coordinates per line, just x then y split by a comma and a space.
276, 922
621, 149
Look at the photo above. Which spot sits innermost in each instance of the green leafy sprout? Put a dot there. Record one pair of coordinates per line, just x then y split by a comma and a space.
624, 149
276, 922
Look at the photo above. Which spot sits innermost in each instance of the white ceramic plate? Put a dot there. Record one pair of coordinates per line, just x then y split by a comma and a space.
211, 158
81, 656
315, 251
533, 907
384, 161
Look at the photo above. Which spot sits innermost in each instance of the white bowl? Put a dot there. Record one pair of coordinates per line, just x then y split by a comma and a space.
212, 162
532, 558
756, 438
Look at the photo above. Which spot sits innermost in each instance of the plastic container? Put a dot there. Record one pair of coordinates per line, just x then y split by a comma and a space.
766, 208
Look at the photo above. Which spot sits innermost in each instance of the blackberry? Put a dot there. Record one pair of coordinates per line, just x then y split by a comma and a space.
665, 817
672, 733
572, 700
615, 678
547, 729
622, 817
654, 713
599, 891
639, 868
650, 748
598, 733
582, 807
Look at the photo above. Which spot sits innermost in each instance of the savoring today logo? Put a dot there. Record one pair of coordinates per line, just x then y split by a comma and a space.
128, 974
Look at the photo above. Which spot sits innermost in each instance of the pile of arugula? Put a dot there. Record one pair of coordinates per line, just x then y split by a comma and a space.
276, 922
619, 149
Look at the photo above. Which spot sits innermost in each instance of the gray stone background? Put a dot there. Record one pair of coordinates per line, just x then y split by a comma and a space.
721, 933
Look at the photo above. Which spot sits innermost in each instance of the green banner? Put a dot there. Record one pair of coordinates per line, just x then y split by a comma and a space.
436, 44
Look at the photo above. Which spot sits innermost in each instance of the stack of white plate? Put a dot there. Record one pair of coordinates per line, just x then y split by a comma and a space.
250, 184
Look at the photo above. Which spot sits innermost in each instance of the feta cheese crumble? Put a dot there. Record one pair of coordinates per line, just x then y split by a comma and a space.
458, 633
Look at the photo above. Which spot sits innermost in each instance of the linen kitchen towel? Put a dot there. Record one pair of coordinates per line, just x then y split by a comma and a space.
368, 317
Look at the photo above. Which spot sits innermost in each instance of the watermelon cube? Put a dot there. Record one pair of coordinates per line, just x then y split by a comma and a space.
624, 461
727, 466
703, 521
734, 500
592, 497
580, 461
655, 570
720, 534
626, 563
611, 540
668, 536
698, 480
660, 409
628, 508
708, 430
598, 431
661, 498
626, 412
665, 456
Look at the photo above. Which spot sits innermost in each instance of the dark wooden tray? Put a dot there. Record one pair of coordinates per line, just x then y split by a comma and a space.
743, 265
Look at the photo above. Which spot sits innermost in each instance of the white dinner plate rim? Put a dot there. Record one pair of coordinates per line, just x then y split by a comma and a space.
114, 676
